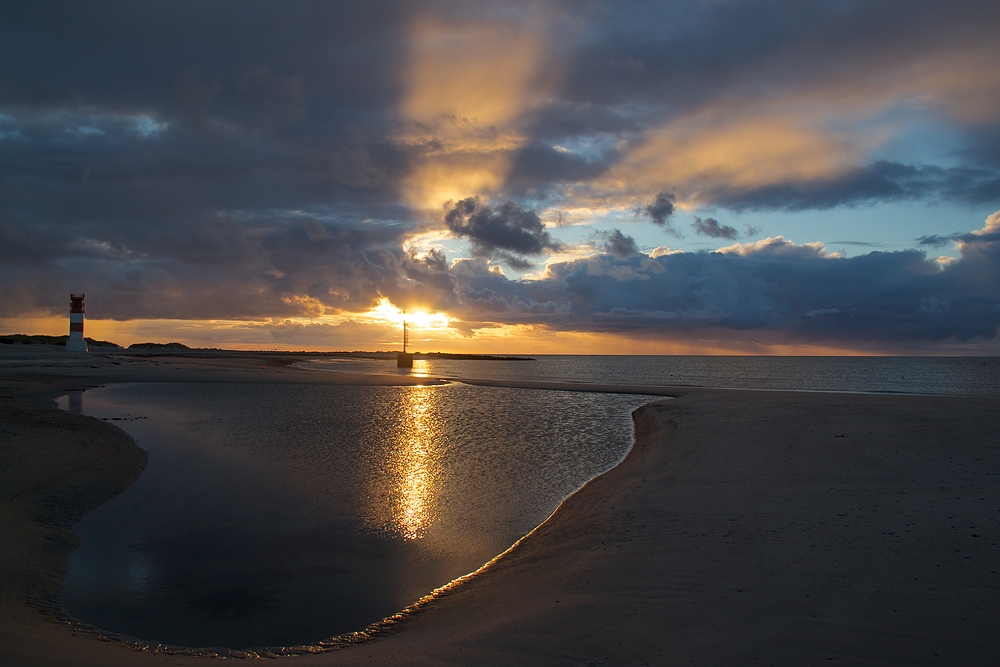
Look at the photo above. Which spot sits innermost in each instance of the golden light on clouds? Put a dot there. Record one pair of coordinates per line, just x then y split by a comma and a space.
962, 82
699, 154
451, 177
467, 83
568, 253
775, 243
812, 132
419, 243
467, 86
967, 85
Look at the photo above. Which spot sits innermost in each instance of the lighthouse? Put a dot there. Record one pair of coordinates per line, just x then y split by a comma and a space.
76, 342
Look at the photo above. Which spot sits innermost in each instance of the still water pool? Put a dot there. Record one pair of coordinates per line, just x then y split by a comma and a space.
275, 515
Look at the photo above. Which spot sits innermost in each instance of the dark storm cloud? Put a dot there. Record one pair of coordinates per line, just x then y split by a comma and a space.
711, 227
935, 241
222, 105
881, 181
192, 96
684, 54
984, 149
203, 160
217, 268
142, 54
507, 230
796, 291
865, 244
562, 119
537, 166
660, 211
618, 244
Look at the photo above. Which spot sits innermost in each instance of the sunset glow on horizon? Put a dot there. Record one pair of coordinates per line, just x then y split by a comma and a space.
522, 178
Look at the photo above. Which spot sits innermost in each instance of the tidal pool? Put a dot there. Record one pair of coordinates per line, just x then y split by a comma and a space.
276, 515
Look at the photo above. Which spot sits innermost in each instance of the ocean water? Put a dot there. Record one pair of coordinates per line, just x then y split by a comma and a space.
275, 515
921, 375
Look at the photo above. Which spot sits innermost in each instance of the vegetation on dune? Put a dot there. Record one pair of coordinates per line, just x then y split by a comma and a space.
158, 346
38, 339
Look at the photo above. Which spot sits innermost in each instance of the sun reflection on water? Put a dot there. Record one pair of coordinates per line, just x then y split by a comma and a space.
413, 464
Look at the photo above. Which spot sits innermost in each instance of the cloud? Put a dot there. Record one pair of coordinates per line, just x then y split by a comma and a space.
804, 107
989, 233
935, 240
282, 163
301, 267
470, 79
618, 244
281, 97
538, 166
282, 265
777, 246
660, 211
711, 156
353, 166
507, 230
711, 227
798, 111
192, 96
881, 181
800, 293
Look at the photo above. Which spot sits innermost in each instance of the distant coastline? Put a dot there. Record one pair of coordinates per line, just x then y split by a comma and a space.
423, 355
60, 341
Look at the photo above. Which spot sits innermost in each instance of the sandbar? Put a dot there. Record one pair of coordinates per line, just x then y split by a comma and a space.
782, 528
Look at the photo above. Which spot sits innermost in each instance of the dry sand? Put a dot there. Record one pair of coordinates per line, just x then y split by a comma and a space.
744, 527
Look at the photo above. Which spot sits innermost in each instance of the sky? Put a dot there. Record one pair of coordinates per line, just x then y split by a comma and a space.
712, 177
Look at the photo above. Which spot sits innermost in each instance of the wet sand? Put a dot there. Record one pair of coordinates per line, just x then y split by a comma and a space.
772, 527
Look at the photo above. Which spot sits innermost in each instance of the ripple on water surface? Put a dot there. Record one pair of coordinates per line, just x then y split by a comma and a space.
273, 515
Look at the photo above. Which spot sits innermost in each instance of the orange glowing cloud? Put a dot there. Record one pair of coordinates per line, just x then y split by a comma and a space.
751, 135
696, 155
467, 86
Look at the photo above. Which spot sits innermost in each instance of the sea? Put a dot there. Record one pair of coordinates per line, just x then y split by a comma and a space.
283, 515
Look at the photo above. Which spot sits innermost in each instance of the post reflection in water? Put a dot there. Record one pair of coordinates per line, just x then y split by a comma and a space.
414, 463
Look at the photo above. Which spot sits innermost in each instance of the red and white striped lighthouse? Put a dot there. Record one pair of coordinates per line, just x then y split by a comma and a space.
76, 342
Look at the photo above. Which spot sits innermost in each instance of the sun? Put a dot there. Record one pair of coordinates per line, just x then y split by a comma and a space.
386, 311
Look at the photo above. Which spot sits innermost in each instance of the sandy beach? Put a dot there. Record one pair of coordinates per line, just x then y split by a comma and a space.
744, 527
